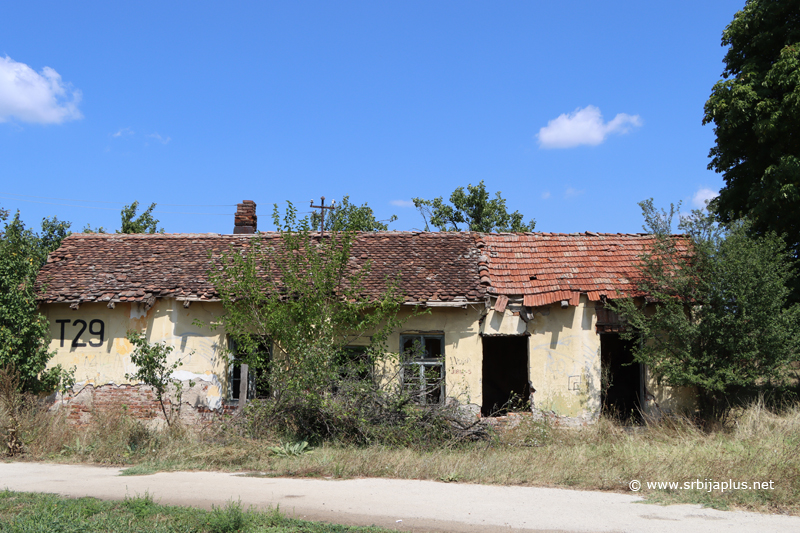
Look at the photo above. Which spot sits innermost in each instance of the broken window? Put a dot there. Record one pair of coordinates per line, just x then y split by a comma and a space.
422, 367
355, 363
257, 382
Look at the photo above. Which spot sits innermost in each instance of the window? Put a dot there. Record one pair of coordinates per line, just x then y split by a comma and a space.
422, 367
257, 382
355, 363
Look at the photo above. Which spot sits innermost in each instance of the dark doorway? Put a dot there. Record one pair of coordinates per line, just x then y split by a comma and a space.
505, 375
257, 378
621, 378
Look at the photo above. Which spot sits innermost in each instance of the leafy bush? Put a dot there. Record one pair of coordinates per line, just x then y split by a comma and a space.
24, 333
153, 369
721, 320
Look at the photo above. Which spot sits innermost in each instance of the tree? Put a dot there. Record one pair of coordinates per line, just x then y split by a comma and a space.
346, 216
474, 209
152, 369
719, 320
301, 294
144, 223
755, 109
24, 333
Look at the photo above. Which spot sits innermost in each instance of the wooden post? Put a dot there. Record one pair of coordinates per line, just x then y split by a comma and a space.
242, 386
322, 209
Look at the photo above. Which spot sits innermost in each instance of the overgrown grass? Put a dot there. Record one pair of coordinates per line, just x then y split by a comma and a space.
27, 512
756, 444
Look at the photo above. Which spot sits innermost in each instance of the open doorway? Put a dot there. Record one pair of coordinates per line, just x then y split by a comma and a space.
505, 374
621, 378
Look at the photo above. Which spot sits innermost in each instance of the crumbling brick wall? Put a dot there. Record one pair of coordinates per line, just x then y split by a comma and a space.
138, 401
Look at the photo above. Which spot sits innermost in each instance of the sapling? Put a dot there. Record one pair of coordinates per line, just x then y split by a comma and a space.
153, 369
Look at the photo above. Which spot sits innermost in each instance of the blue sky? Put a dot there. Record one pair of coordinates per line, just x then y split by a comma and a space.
576, 111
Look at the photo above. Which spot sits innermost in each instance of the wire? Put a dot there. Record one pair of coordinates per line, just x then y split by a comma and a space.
111, 208
187, 213
65, 205
108, 202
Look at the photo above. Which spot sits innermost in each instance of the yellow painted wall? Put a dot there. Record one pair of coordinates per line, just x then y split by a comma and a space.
565, 360
563, 349
564, 353
462, 347
108, 361
666, 399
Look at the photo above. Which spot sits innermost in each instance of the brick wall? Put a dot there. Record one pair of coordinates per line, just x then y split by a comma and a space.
245, 221
139, 401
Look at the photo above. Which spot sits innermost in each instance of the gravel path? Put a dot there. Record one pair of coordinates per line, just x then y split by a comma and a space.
404, 505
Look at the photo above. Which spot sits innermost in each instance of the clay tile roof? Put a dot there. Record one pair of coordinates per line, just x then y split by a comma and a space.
545, 268
115, 267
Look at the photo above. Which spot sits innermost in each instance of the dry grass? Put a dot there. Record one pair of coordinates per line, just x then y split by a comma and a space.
757, 444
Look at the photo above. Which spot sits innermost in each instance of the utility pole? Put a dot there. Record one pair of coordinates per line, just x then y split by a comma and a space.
322, 209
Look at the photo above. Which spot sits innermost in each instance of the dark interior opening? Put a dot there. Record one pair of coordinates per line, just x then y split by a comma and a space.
257, 379
621, 378
505, 375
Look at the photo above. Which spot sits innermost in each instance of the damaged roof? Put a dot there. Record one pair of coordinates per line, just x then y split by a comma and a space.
545, 268
142, 267
540, 268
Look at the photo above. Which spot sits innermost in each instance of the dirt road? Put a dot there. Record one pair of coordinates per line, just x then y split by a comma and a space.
405, 505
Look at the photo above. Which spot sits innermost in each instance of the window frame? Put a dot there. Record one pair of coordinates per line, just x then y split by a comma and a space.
420, 364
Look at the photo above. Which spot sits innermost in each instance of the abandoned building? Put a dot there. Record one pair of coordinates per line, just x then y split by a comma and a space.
511, 315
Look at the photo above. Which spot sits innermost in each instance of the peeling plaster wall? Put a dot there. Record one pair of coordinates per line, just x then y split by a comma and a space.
107, 362
564, 356
563, 351
463, 350
564, 363
663, 399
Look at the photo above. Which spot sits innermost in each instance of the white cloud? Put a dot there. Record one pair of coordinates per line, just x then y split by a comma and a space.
402, 203
584, 126
545, 195
29, 96
703, 196
159, 138
572, 192
123, 131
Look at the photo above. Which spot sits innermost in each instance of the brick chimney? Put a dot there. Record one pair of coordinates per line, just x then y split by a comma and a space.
245, 220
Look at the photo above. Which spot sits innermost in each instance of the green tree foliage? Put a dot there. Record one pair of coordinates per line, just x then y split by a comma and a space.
474, 209
755, 109
153, 369
719, 320
144, 223
303, 295
24, 333
349, 217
